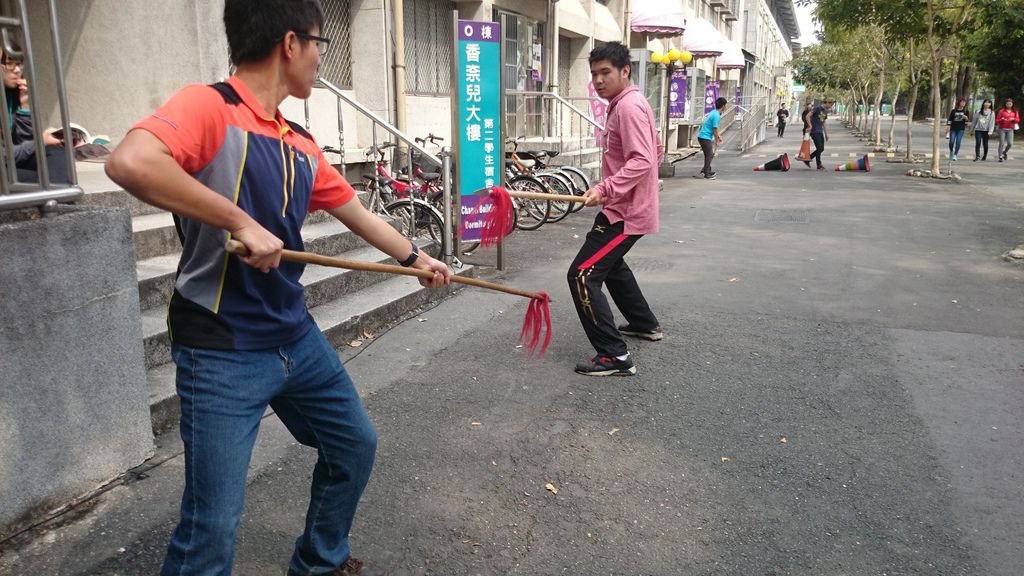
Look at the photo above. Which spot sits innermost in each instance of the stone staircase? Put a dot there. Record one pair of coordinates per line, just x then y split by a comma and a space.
345, 304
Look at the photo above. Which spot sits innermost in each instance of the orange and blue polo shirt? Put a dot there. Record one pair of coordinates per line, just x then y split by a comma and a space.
273, 170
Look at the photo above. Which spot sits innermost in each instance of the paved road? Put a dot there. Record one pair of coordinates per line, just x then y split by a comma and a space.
838, 393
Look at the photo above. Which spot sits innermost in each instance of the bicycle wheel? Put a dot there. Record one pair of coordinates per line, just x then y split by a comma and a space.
532, 214
580, 182
557, 184
418, 220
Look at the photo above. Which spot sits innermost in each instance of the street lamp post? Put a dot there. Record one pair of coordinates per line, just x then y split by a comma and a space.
669, 59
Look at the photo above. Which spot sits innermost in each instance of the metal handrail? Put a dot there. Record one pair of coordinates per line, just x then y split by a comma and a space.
550, 118
377, 120
750, 124
15, 194
554, 96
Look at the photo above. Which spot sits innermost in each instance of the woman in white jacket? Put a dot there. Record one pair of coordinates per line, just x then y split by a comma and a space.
984, 124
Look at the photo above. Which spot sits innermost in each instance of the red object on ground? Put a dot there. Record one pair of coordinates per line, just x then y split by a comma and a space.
498, 221
537, 324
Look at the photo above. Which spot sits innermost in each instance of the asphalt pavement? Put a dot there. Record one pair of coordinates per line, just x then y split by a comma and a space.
838, 393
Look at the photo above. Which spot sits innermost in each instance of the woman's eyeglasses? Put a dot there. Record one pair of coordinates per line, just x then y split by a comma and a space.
321, 43
12, 65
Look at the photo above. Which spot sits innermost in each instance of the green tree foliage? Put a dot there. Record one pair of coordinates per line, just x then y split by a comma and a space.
996, 45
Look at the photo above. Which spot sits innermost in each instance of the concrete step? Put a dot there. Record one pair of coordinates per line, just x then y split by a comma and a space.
365, 311
154, 235
321, 283
117, 198
156, 274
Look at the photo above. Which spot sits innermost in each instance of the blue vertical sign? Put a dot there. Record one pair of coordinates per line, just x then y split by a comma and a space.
480, 158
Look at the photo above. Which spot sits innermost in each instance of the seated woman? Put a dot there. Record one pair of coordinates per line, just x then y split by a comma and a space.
20, 116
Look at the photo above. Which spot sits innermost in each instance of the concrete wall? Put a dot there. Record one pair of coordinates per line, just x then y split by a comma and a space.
74, 407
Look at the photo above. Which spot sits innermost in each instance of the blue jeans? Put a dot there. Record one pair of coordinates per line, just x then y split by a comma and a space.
224, 394
955, 138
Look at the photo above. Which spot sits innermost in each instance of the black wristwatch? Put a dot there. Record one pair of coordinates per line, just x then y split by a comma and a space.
412, 257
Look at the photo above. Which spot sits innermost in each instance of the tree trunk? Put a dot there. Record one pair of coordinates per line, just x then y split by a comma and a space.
877, 124
864, 112
892, 126
915, 76
937, 116
952, 86
936, 90
911, 106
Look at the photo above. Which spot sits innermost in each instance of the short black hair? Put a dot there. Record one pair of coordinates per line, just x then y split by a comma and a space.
254, 27
720, 103
613, 52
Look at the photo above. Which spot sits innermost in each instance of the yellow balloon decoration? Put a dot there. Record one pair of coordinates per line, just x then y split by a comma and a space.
656, 57
685, 57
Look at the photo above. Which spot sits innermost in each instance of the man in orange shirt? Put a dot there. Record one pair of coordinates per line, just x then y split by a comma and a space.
228, 165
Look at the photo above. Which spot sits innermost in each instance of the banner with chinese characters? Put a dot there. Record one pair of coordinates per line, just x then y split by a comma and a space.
677, 95
480, 159
710, 95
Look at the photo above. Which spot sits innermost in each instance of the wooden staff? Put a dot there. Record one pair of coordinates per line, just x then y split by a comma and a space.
239, 249
544, 196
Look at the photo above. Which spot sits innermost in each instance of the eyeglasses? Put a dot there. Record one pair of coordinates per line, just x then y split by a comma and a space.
12, 65
321, 43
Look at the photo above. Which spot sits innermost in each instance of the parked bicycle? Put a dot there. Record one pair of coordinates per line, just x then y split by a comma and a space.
555, 181
405, 202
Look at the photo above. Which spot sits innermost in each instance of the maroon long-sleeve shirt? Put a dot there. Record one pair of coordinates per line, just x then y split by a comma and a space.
632, 151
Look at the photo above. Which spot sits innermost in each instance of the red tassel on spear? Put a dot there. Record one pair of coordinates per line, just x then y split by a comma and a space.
535, 335
498, 221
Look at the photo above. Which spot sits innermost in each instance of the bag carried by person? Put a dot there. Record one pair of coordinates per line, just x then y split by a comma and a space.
805, 149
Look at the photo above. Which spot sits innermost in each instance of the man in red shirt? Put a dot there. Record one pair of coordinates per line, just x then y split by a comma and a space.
628, 195
224, 160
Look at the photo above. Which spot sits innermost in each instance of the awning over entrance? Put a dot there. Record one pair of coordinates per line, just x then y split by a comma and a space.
702, 39
663, 18
731, 58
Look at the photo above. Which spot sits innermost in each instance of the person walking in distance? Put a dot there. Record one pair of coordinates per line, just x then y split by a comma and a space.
1007, 120
783, 117
805, 116
983, 125
628, 197
819, 132
225, 161
709, 130
957, 122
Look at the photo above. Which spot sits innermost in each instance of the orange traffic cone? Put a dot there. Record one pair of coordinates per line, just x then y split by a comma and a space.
860, 165
804, 155
780, 163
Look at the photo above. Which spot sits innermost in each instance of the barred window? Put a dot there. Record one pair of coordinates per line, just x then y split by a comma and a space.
564, 65
336, 65
428, 46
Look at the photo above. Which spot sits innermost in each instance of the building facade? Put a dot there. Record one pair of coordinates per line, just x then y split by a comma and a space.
122, 58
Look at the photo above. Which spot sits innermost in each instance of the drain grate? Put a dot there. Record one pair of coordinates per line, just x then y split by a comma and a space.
782, 217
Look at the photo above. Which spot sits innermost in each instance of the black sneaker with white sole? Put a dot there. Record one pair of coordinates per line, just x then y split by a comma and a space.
606, 366
653, 335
